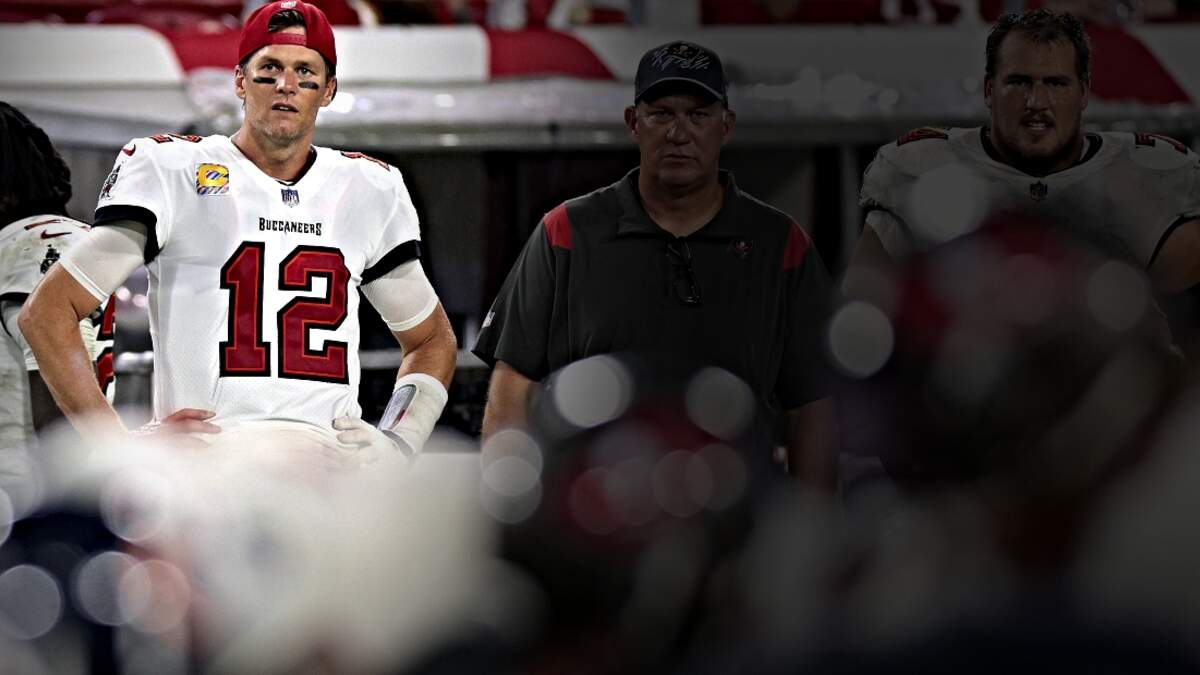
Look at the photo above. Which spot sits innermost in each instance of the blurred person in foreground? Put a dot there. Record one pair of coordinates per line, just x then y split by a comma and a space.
144, 555
673, 258
35, 186
641, 505
1024, 390
256, 245
1138, 193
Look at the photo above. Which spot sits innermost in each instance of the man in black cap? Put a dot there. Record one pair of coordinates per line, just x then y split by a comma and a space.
673, 258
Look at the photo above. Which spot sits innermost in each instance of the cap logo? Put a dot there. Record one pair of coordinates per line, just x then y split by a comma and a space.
290, 4
682, 56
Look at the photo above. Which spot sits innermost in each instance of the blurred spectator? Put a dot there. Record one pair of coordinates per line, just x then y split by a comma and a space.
838, 11
565, 13
339, 12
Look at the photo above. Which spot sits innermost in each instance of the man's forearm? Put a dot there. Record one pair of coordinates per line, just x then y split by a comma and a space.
435, 356
507, 401
52, 330
812, 444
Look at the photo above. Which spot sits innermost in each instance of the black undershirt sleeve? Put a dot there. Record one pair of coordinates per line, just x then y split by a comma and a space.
112, 215
409, 250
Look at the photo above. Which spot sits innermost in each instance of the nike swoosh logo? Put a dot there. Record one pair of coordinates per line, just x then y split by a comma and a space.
129, 150
47, 235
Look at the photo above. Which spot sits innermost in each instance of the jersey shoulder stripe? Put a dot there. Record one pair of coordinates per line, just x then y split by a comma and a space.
921, 150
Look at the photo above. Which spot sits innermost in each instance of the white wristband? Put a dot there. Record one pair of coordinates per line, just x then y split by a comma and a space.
416, 404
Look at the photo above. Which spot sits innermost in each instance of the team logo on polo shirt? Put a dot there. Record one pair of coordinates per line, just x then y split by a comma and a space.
741, 247
212, 179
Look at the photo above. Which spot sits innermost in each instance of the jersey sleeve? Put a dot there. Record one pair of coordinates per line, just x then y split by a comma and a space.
401, 235
882, 207
135, 190
27, 258
516, 328
804, 375
1167, 184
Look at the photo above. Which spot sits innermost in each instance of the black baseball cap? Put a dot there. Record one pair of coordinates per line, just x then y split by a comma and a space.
681, 63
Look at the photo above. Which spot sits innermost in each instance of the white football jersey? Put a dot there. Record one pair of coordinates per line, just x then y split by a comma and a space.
28, 248
252, 301
936, 184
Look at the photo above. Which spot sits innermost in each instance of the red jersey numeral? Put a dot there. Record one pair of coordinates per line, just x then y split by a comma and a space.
107, 331
1149, 139
245, 354
296, 273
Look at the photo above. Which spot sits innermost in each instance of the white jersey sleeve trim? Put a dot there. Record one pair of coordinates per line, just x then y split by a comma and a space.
86, 331
105, 258
403, 297
11, 310
891, 233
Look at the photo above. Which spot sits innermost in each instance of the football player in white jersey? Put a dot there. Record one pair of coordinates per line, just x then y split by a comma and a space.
1138, 194
256, 245
35, 185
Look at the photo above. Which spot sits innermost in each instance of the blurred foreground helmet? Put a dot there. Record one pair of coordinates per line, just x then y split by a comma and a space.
1017, 353
650, 468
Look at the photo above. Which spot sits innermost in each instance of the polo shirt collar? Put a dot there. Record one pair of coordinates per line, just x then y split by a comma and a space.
635, 221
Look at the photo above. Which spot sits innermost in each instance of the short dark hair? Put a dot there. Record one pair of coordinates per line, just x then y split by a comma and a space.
1042, 26
286, 19
34, 179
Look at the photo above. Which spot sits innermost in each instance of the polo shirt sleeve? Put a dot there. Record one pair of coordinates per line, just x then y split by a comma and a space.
804, 373
517, 327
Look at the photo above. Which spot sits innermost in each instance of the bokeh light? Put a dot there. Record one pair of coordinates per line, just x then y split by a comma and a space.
593, 391
947, 202
683, 483
861, 339
510, 489
719, 402
134, 505
30, 602
155, 594
7, 516
1117, 296
95, 585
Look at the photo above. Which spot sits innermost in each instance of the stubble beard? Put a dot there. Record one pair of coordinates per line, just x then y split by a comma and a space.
1041, 163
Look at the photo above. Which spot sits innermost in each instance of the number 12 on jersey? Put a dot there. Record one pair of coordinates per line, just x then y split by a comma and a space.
246, 354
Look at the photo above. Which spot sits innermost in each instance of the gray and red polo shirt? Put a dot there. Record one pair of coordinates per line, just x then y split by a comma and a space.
596, 277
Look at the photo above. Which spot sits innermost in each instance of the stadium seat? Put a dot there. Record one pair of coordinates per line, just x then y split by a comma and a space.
69, 11
23, 16
164, 19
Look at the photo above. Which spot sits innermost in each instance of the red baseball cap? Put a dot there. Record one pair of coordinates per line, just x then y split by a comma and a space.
318, 33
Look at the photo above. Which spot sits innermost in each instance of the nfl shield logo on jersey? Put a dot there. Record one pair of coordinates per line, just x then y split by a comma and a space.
1038, 191
290, 197
212, 179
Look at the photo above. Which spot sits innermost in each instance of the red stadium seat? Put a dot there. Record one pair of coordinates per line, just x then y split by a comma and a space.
163, 19
211, 7
810, 11
23, 16
70, 11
